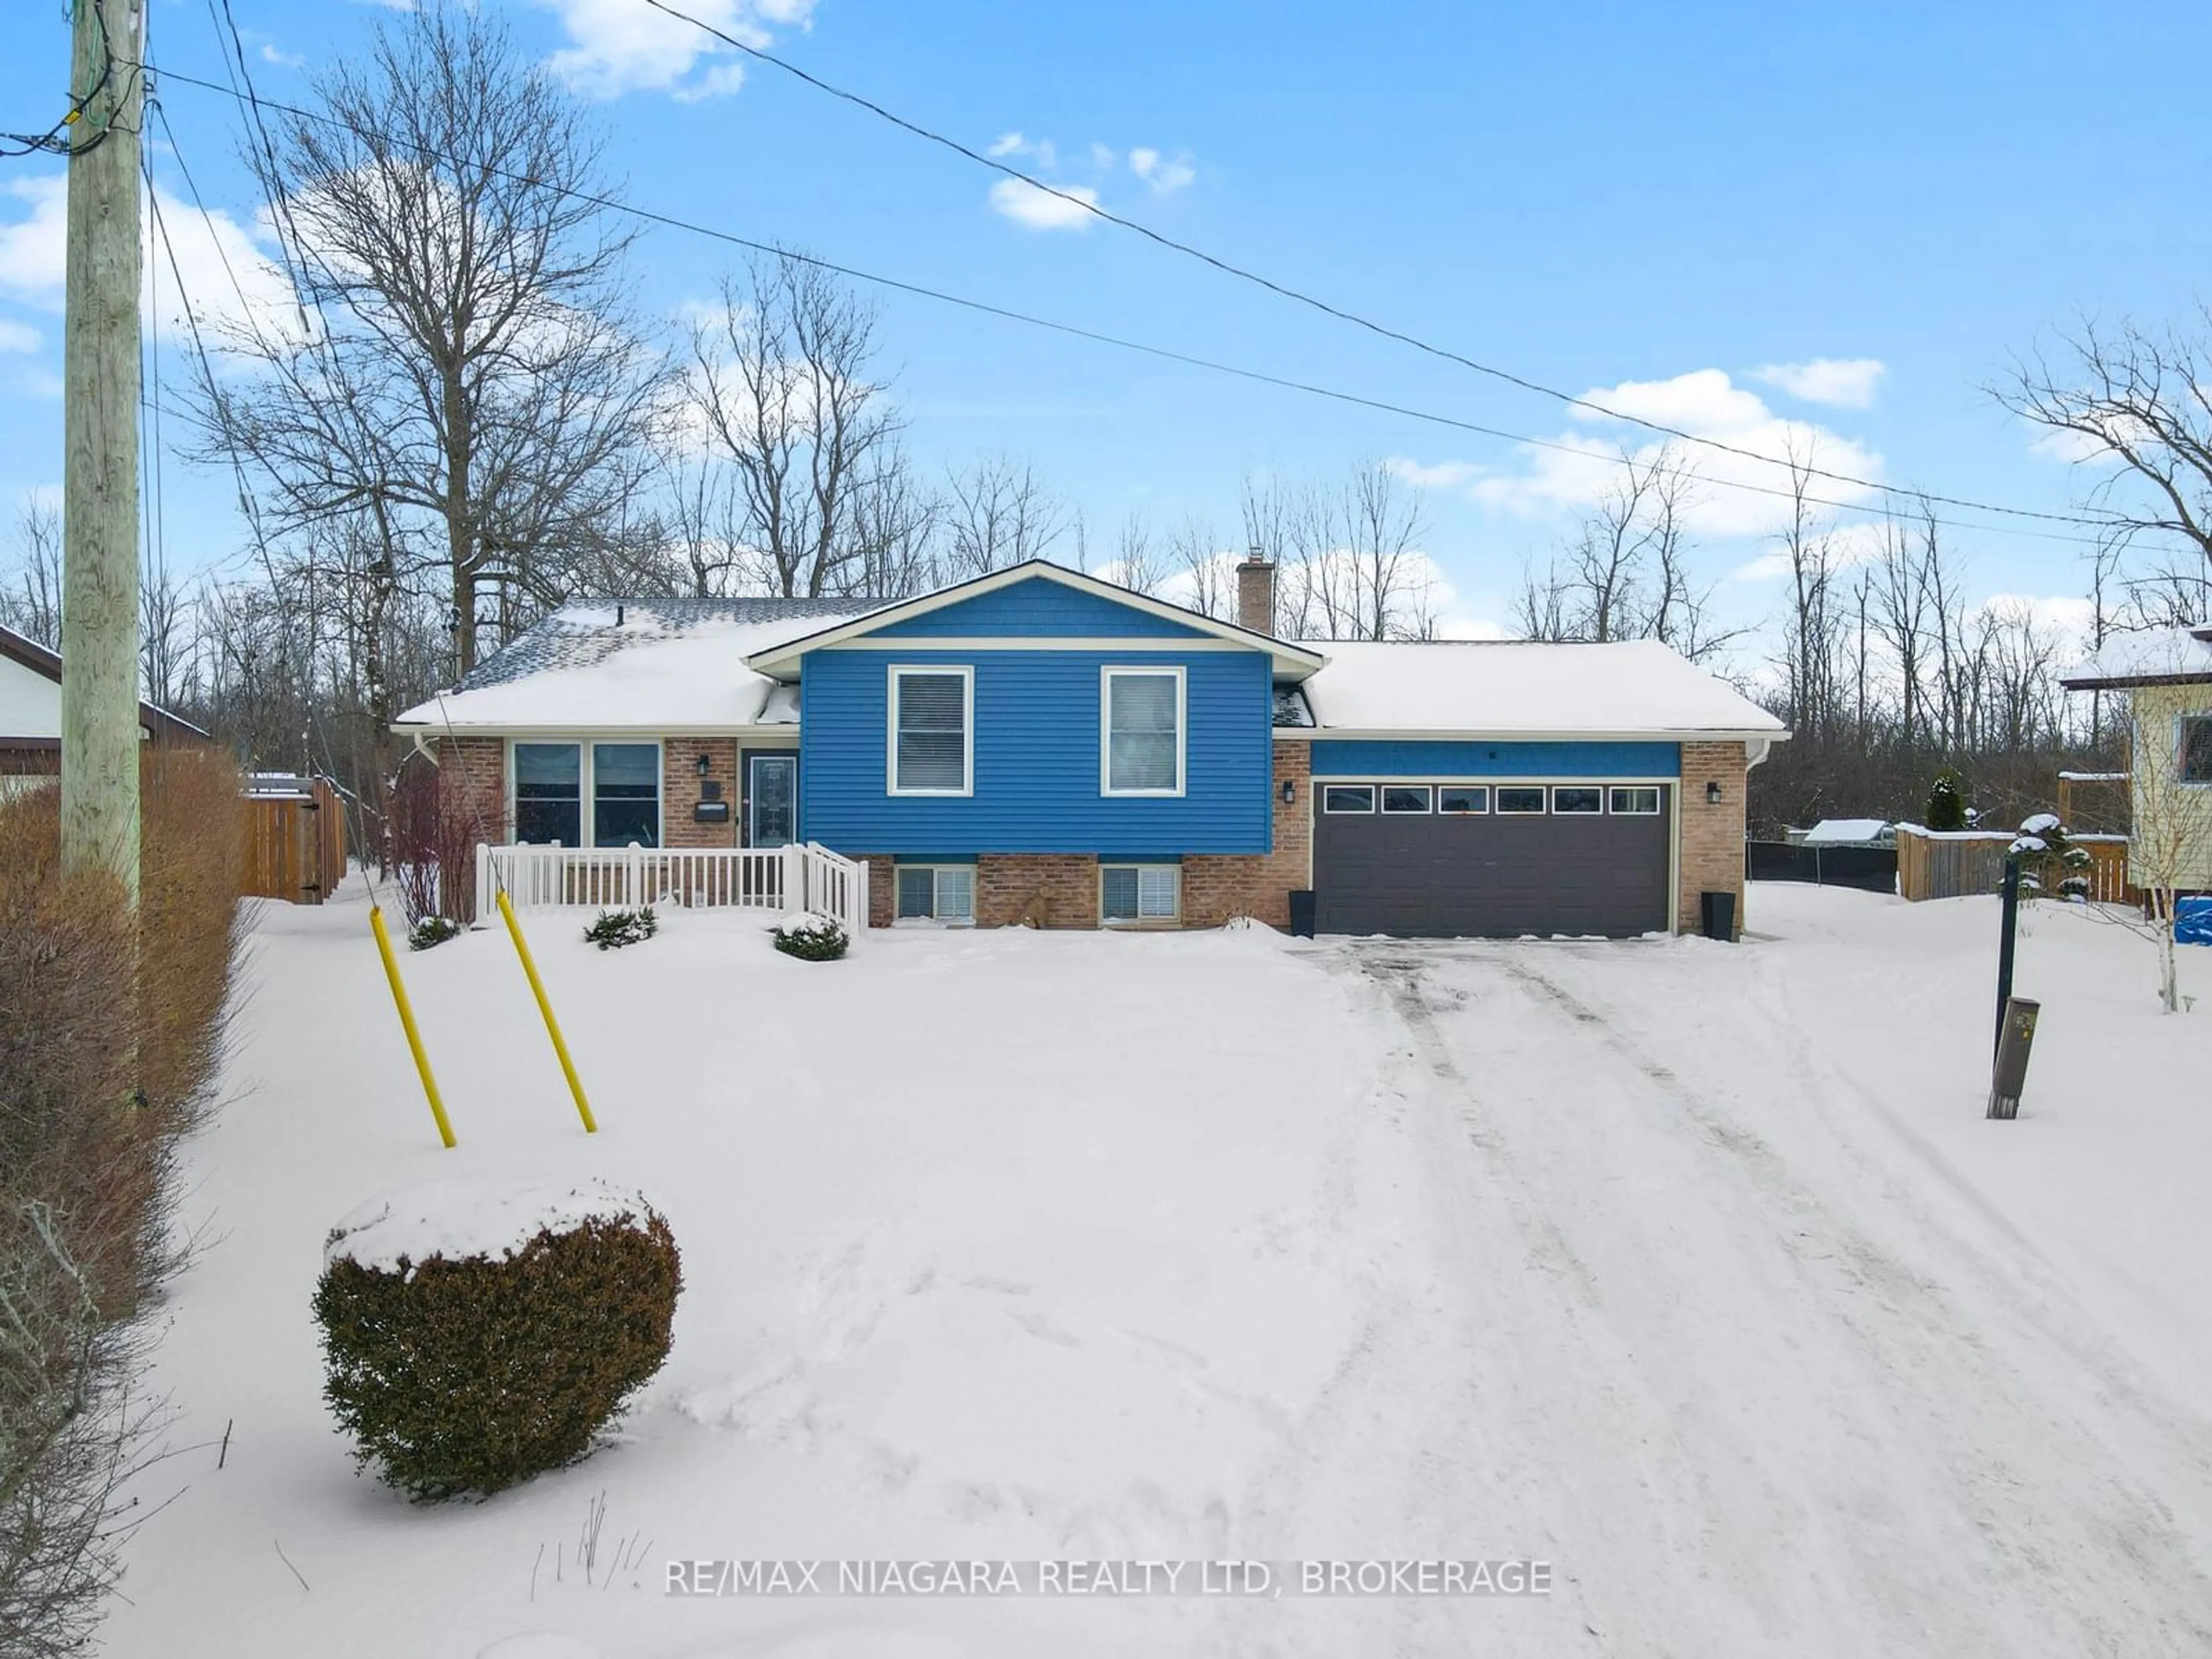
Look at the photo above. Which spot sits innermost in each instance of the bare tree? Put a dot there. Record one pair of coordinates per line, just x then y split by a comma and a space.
998, 513
783, 379
31, 599
462, 361
1138, 564
1202, 570
2134, 404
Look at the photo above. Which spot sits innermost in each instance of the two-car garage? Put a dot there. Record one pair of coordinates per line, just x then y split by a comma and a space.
1435, 858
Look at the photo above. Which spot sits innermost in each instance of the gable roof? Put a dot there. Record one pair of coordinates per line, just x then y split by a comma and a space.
655, 664
157, 722
2157, 656
1525, 689
1291, 661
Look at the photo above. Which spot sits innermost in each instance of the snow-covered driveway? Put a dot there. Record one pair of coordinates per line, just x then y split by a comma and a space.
1694, 1270
1722, 1336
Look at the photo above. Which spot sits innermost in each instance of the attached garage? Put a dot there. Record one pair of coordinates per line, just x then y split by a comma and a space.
1431, 859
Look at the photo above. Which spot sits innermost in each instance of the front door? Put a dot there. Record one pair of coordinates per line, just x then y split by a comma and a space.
771, 800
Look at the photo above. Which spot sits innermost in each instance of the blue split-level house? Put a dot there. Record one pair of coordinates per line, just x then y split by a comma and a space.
1038, 745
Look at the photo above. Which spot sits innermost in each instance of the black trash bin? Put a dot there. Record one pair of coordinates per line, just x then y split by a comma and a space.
1302, 912
1718, 910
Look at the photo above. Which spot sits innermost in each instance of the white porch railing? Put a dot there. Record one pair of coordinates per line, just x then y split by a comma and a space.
799, 876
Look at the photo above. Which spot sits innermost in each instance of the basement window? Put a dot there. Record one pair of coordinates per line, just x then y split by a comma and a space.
1140, 892
936, 892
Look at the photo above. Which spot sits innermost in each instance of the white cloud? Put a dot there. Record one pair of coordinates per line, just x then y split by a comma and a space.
19, 337
618, 46
1009, 143
1164, 174
1847, 545
281, 59
2063, 444
1041, 209
1839, 382
1574, 471
228, 279
1444, 475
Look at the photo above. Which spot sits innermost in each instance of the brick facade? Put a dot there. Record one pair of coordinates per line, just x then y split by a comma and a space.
1217, 887
474, 770
1712, 835
1036, 890
680, 790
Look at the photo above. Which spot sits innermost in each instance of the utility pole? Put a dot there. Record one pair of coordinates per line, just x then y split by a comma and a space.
99, 430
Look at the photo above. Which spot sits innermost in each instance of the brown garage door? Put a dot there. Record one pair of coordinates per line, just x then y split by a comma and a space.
1490, 874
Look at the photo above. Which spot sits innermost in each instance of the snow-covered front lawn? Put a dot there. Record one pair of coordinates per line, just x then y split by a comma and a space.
1692, 1270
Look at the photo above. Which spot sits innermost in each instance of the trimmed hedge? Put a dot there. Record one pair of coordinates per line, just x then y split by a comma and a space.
465, 1376
811, 938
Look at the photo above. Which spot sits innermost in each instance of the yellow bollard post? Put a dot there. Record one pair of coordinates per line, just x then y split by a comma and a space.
407, 1022
552, 1025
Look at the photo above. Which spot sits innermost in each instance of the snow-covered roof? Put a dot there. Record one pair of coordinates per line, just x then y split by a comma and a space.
2157, 656
1637, 688
656, 664
1834, 832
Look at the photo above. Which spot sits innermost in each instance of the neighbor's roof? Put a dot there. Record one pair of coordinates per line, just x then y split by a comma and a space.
156, 720
1834, 832
656, 664
1521, 688
2158, 656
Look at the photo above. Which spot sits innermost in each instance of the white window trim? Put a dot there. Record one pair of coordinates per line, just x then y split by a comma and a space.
1138, 864
1497, 796
1107, 675
1321, 793
1429, 790
1552, 799
1480, 811
894, 672
2181, 748
933, 920
586, 783
1658, 806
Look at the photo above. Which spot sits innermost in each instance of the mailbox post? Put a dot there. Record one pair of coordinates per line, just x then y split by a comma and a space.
2014, 1038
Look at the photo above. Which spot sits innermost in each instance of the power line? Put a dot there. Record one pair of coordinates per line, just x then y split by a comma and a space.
1191, 360
57, 139
1301, 297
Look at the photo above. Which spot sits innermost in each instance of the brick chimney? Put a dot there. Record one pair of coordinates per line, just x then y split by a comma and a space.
1256, 593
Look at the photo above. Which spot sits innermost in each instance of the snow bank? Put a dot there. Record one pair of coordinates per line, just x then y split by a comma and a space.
458, 1218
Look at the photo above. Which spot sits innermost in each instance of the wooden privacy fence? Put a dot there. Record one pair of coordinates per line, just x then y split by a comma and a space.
1933, 865
295, 838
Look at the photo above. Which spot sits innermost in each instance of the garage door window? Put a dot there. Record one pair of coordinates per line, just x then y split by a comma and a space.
1578, 799
1406, 798
1348, 798
1526, 801
1639, 802
1462, 799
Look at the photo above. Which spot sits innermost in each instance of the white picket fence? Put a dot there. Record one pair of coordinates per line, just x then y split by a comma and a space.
799, 877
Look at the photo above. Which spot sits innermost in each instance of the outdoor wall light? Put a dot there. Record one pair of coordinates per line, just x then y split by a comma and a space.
706, 765
1290, 790
1713, 793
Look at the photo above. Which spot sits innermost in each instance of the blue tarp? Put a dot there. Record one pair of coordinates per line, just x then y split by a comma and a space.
2192, 921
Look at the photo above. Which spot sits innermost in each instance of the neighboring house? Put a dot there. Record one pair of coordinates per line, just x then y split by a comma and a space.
1040, 745
30, 714
2167, 676
1847, 832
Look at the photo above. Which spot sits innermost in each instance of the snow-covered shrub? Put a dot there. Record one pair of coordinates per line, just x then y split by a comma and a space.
474, 1337
615, 928
1947, 801
2049, 862
811, 937
432, 931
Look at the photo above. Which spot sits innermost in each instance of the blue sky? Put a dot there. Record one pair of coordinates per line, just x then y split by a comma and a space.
1678, 208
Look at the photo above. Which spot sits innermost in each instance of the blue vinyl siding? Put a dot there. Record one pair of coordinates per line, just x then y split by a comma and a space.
1036, 756
1394, 759
1037, 608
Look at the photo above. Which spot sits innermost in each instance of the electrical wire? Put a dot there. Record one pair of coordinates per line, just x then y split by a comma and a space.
1192, 360
1301, 297
57, 140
